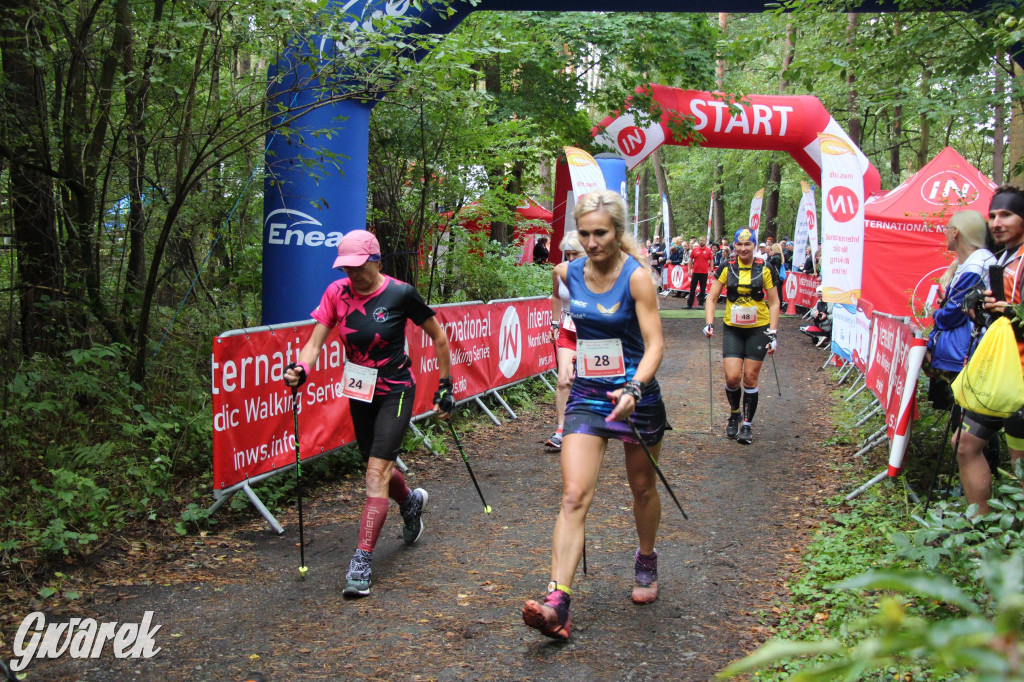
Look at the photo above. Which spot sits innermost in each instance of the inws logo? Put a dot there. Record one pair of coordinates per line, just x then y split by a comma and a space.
631, 140
842, 203
948, 188
676, 276
283, 227
510, 342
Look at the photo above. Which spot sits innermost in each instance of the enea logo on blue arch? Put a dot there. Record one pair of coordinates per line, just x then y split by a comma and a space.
288, 227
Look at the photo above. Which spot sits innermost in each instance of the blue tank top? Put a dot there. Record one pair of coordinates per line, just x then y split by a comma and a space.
611, 315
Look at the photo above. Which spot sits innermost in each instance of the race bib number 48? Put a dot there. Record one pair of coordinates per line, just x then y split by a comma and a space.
600, 358
744, 316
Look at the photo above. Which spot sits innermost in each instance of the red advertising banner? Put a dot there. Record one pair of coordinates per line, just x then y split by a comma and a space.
904, 398
677, 277
253, 430
523, 345
885, 332
898, 379
802, 289
469, 327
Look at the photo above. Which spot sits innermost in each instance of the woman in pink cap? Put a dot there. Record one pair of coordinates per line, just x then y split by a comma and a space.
370, 309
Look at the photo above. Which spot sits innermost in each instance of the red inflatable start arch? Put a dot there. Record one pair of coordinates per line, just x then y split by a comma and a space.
772, 122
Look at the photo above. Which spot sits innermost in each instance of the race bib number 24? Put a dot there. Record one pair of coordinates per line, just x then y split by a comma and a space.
358, 382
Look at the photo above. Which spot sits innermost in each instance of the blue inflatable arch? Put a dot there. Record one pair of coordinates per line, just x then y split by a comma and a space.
304, 217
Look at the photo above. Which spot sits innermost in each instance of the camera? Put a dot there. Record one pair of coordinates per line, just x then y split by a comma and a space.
974, 301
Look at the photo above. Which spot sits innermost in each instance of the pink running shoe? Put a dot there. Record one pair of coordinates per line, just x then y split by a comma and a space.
550, 618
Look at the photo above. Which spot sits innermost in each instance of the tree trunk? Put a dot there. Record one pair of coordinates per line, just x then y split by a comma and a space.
501, 232
854, 123
896, 132
719, 177
774, 183
1015, 150
926, 126
999, 114
40, 270
719, 186
897, 137
770, 211
723, 24
645, 204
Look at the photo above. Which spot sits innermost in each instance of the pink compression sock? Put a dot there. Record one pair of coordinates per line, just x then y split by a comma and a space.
374, 513
397, 489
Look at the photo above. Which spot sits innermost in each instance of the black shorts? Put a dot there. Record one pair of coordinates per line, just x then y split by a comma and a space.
380, 426
984, 427
747, 343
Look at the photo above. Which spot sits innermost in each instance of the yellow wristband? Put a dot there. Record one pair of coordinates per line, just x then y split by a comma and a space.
552, 586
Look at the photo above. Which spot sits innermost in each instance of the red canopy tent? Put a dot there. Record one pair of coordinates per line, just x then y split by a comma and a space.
533, 219
904, 240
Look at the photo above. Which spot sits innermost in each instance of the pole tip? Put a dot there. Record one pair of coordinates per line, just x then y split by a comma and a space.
302, 571
487, 509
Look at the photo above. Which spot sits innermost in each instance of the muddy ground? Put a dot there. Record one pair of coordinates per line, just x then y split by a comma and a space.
231, 606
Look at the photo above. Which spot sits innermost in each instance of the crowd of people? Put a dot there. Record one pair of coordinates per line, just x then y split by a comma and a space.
609, 344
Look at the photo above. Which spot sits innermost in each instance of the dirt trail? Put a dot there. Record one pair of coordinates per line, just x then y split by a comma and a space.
230, 604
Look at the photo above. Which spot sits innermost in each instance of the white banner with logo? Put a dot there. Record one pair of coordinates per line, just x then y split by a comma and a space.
635, 143
754, 221
711, 216
584, 172
665, 221
844, 328
806, 223
842, 220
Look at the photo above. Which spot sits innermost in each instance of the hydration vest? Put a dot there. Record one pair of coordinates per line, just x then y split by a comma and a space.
732, 283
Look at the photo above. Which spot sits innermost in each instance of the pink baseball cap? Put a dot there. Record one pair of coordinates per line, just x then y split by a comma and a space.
357, 247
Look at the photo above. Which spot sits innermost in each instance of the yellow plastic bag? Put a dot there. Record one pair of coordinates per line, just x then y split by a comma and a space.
992, 383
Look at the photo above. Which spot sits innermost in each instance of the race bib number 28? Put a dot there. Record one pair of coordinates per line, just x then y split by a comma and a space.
600, 358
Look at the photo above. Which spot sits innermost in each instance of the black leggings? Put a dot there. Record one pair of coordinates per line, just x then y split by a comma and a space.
380, 425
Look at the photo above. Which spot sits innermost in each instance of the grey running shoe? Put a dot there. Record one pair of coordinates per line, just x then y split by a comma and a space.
746, 435
734, 424
555, 441
357, 581
412, 512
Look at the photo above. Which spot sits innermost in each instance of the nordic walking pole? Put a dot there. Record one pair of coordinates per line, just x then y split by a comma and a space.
298, 482
487, 507
654, 463
711, 384
776, 375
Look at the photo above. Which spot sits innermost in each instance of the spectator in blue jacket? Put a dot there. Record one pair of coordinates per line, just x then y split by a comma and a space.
950, 338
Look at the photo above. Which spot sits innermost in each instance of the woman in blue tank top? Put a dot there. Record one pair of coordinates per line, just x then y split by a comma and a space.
619, 344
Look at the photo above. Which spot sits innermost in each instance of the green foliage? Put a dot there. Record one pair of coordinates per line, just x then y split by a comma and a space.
57, 586
86, 453
980, 640
935, 596
194, 516
473, 267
